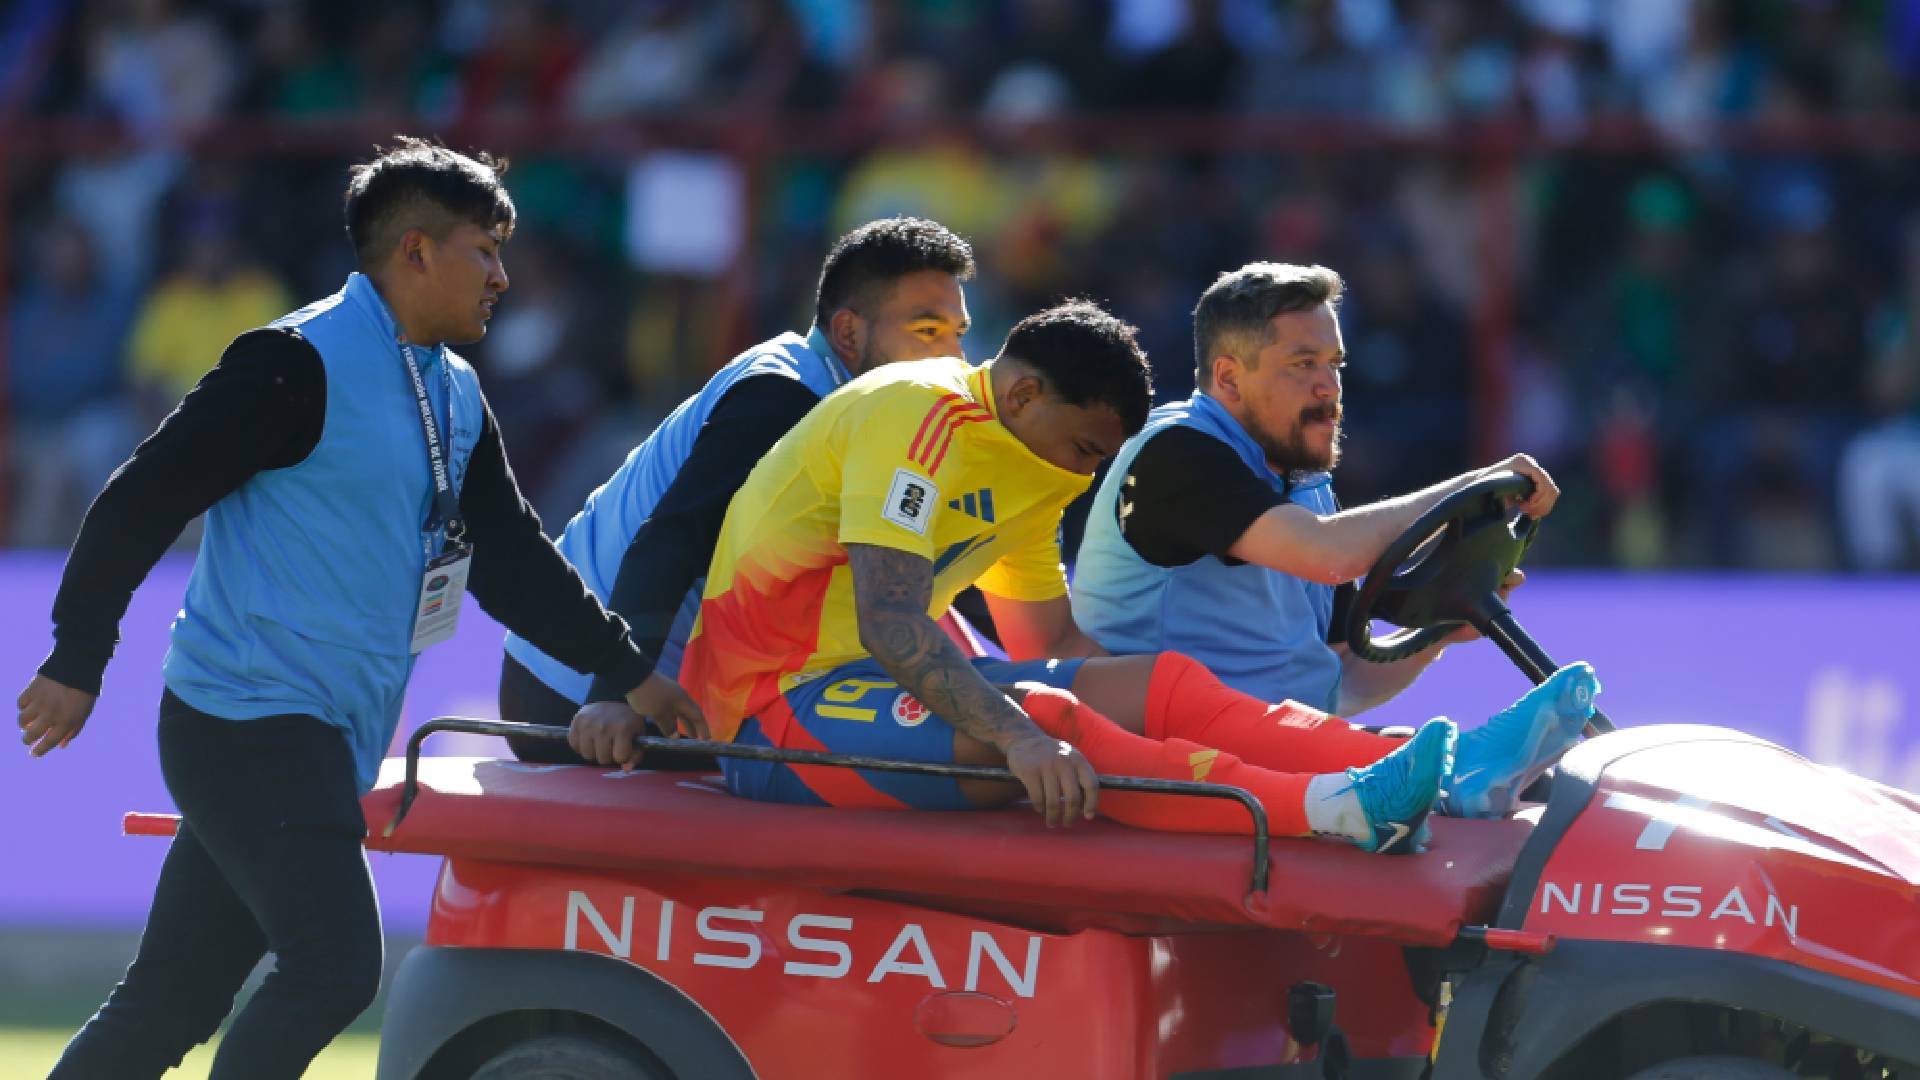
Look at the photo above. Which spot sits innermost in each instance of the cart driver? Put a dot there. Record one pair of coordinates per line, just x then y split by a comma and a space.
1216, 533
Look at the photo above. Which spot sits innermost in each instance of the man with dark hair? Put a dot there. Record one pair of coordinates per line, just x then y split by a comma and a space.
890, 290
354, 483
417, 184
817, 632
1216, 532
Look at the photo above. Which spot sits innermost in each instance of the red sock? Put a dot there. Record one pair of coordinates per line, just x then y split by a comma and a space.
1186, 701
1115, 751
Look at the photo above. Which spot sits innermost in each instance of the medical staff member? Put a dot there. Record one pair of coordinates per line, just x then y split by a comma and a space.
355, 486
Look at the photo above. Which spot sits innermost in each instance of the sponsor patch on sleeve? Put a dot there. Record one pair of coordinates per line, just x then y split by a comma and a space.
910, 501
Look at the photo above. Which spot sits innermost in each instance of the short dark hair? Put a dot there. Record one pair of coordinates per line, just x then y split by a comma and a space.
877, 254
1088, 356
1235, 314
419, 184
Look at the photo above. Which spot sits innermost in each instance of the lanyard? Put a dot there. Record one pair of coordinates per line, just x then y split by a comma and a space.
446, 506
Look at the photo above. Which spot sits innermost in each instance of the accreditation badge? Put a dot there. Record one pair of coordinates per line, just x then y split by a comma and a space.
441, 588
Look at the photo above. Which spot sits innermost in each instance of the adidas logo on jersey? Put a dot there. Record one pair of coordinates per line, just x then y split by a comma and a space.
976, 504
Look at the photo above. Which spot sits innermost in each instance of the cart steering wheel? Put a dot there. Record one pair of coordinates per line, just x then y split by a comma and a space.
1444, 570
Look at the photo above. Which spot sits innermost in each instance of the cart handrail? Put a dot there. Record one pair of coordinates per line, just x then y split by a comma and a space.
472, 725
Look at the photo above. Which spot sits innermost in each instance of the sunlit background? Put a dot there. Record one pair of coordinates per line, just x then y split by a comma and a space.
1669, 247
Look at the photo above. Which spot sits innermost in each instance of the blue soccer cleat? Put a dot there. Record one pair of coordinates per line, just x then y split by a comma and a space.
1498, 759
1398, 791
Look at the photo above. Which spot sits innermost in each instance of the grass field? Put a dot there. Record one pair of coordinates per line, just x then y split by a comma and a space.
51, 980
31, 1051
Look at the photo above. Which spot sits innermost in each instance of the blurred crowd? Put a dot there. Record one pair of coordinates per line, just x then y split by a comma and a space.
1712, 342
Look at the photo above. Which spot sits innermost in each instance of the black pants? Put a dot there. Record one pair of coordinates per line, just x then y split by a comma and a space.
268, 857
524, 699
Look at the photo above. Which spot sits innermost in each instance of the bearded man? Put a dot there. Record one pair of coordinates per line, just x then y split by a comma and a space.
1216, 533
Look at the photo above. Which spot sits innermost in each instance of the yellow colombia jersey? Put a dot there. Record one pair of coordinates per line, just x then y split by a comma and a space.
910, 456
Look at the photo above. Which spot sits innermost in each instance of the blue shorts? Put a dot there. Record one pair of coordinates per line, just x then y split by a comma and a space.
858, 708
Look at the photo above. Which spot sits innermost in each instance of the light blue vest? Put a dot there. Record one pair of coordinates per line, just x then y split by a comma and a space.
302, 598
597, 538
1261, 631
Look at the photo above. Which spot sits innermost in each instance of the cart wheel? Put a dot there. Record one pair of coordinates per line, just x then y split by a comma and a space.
572, 1057
1713, 1068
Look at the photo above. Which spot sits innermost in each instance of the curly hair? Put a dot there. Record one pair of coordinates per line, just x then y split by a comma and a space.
1088, 356
419, 184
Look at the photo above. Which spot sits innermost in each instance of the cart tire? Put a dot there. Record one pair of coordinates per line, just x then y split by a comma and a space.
1713, 1068
572, 1057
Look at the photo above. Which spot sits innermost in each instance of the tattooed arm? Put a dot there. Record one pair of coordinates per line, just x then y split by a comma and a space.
891, 590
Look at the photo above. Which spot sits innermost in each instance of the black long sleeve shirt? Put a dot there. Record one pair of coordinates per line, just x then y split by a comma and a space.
263, 407
672, 548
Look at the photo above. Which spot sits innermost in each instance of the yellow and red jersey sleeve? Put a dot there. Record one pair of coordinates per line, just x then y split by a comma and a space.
900, 439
